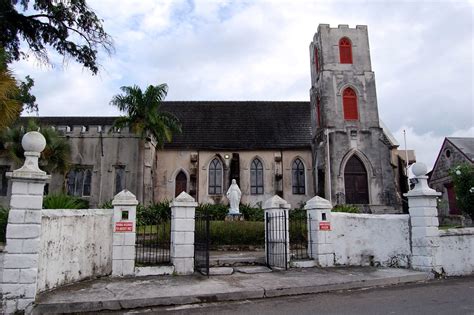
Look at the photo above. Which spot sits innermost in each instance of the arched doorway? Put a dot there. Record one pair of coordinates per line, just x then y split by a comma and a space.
355, 181
181, 183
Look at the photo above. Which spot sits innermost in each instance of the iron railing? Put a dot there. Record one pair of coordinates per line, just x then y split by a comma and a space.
276, 240
299, 236
152, 245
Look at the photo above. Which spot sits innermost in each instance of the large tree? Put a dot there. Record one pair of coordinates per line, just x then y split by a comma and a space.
144, 114
70, 27
10, 105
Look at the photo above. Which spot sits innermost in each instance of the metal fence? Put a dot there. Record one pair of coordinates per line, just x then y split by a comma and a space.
299, 235
152, 246
276, 240
202, 243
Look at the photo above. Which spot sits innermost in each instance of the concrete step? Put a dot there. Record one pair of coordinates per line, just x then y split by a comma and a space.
233, 259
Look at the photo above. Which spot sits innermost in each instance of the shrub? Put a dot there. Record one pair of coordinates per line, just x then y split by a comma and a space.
62, 201
3, 223
252, 213
237, 233
147, 215
106, 205
216, 212
346, 208
463, 179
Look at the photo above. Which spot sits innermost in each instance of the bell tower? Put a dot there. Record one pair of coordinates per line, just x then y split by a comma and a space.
351, 152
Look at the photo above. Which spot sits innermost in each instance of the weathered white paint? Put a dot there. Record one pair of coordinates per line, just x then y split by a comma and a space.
371, 239
456, 252
75, 245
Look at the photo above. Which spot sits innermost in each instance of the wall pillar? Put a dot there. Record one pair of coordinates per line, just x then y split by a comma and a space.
277, 235
183, 210
424, 222
124, 227
320, 247
23, 236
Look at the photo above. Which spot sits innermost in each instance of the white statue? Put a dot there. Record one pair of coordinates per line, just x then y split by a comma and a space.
234, 194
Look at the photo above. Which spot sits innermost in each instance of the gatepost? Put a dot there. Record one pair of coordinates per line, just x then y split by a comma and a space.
318, 211
123, 246
183, 210
277, 235
423, 210
23, 236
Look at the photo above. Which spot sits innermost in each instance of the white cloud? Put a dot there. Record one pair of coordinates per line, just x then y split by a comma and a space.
421, 52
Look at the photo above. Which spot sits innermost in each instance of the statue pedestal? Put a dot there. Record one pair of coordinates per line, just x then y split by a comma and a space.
234, 217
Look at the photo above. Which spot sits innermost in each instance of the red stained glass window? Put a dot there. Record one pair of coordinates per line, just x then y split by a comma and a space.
349, 102
345, 50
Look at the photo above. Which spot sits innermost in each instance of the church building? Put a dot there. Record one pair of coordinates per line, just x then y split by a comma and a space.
333, 146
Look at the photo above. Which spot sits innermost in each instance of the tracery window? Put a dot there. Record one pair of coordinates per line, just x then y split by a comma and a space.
349, 103
256, 177
298, 175
345, 50
79, 181
215, 177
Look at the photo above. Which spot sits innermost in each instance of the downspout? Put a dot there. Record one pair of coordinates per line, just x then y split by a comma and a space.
329, 166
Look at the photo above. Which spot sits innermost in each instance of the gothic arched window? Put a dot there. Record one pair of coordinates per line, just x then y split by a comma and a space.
215, 177
256, 177
345, 50
349, 103
297, 171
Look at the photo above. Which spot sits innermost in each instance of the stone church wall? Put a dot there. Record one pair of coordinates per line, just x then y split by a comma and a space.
195, 166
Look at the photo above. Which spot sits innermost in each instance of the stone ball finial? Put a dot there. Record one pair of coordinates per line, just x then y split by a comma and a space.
419, 169
33, 141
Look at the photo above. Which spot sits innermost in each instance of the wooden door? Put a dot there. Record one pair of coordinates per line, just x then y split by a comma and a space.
355, 181
453, 207
181, 183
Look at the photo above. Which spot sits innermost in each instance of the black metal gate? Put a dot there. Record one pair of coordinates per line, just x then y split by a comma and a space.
152, 244
276, 240
201, 243
299, 235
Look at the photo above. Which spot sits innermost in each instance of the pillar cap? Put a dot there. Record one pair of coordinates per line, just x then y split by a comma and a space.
33, 141
276, 202
184, 199
317, 203
125, 198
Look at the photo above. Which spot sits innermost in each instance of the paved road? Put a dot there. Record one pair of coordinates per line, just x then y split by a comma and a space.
450, 296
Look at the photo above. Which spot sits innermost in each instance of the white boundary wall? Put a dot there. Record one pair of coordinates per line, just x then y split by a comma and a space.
457, 251
371, 239
75, 245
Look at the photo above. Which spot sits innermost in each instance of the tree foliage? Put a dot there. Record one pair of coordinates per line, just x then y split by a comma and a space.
54, 158
70, 27
144, 115
10, 106
463, 179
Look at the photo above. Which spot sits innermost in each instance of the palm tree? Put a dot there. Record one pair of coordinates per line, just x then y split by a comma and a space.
144, 116
54, 158
10, 106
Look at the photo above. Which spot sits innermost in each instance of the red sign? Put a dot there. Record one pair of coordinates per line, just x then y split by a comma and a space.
124, 226
325, 226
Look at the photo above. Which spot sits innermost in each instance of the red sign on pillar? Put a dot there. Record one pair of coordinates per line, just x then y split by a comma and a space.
124, 226
325, 226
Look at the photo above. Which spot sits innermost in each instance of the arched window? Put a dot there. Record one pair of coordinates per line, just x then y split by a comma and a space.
349, 103
355, 181
256, 177
215, 177
345, 50
297, 171
181, 183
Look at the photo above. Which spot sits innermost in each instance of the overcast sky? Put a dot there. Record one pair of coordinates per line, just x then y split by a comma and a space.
421, 52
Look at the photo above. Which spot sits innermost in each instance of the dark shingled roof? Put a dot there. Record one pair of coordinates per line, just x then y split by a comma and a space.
465, 145
241, 125
228, 124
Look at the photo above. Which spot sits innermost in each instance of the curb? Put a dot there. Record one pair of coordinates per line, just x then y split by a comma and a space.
252, 292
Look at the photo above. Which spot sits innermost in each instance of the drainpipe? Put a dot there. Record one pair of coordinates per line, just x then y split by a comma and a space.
328, 166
